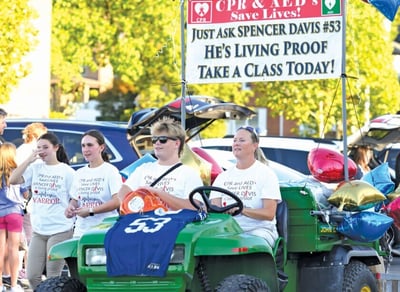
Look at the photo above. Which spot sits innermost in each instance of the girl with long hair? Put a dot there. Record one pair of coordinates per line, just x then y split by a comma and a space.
11, 215
50, 183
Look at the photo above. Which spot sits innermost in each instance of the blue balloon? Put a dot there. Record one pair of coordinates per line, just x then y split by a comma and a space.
365, 226
131, 167
380, 178
387, 7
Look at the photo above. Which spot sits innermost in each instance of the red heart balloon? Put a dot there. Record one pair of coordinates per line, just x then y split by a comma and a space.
327, 165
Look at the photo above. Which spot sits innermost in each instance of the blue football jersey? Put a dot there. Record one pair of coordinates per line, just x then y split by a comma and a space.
141, 244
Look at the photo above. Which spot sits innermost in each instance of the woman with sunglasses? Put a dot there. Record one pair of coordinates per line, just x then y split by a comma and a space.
168, 138
95, 186
255, 183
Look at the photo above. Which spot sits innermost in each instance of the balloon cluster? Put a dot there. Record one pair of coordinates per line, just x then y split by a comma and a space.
356, 196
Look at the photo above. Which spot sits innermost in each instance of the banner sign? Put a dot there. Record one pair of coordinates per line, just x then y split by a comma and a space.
263, 40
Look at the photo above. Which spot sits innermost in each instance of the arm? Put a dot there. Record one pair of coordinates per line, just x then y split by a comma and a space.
26, 194
103, 208
217, 202
123, 191
267, 212
70, 210
268, 188
16, 176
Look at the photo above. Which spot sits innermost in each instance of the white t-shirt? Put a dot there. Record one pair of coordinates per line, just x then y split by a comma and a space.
179, 182
92, 187
50, 186
23, 152
251, 185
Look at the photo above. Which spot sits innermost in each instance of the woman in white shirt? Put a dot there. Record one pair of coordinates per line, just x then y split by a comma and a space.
50, 184
95, 187
255, 183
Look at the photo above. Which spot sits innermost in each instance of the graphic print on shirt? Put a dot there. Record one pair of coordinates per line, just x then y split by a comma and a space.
89, 192
166, 183
245, 190
46, 189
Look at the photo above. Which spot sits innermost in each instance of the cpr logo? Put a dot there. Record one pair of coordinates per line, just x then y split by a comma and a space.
201, 11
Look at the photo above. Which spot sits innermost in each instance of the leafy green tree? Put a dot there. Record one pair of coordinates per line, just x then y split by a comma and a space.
140, 39
131, 35
371, 78
117, 104
17, 39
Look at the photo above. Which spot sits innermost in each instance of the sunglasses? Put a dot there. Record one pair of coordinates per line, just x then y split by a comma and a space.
251, 130
162, 139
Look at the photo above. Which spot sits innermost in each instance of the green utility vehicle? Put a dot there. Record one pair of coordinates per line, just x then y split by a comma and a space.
215, 255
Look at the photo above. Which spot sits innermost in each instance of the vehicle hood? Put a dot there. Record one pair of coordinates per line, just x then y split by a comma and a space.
379, 133
200, 112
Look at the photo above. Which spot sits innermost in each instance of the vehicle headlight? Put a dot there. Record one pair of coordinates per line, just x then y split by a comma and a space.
178, 255
95, 256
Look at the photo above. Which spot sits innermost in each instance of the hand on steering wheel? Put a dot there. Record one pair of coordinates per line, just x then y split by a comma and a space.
203, 190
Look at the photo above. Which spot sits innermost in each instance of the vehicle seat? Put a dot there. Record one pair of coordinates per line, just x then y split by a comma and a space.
282, 227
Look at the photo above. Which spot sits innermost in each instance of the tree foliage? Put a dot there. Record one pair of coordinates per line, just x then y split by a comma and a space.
17, 39
371, 79
142, 41
117, 104
138, 38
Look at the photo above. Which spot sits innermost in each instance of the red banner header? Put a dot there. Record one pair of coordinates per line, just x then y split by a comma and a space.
223, 11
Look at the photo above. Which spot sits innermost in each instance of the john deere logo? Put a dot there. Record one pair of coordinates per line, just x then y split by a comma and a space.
330, 7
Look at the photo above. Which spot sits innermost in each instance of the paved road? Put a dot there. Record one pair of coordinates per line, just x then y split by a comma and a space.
394, 267
391, 277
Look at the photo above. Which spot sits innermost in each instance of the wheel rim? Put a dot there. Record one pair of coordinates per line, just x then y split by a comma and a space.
365, 288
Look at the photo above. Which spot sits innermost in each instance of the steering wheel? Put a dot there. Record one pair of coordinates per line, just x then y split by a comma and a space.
213, 208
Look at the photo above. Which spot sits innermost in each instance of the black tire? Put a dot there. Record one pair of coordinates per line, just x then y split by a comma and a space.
61, 284
358, 277
241, 283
